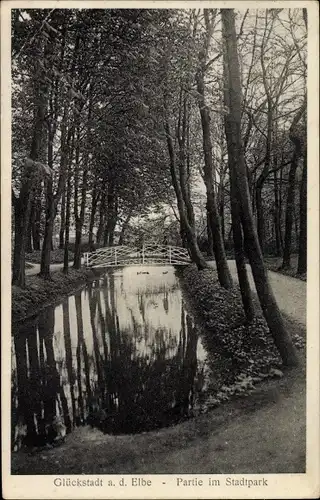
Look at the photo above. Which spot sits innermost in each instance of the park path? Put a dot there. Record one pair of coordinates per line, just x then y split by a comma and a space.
290, 293
35, 269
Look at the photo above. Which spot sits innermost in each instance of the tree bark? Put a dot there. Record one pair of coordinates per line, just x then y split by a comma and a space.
209, 234
277, 216
54, 198
29, 247
36, 229
302, 259
63, 220
95, 199
236, 214
68, 213
22, 204
79, 217
187, 229
102, 216
124, 228
298, 144
224, 275
281, 336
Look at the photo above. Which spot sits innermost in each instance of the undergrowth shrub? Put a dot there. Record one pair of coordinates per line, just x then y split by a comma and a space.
56, 256
39, 292
239, 354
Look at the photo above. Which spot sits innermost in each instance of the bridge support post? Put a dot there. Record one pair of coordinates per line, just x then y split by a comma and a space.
86, 259
115, 256
169, 254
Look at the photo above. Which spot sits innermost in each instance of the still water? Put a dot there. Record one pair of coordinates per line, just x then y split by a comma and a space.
123, 355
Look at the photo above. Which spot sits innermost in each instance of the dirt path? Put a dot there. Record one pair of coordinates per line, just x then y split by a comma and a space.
35, 269
291, 293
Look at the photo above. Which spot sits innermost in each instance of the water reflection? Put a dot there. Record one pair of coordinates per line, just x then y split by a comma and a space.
122, 355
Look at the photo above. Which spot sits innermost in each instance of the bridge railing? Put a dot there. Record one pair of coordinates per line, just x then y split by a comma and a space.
147, 254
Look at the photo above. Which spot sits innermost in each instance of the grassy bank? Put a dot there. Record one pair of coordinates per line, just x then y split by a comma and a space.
39, 293
244, 354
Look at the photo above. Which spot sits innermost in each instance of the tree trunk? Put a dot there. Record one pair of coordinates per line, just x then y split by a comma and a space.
102, 216
221, 210
286, 264
18, 263
209, 234
48, 231
79, 218
36, 223
29, 232
63, 220
124, 229
298, 144
224, 275
54, 198
22, 205
302, 259
67, 225
236, 216
260, 211
187, 230
110, 211
267, 300
237, 232
95, 199
277, 217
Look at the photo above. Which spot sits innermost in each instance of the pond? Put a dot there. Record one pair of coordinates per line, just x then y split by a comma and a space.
123, 355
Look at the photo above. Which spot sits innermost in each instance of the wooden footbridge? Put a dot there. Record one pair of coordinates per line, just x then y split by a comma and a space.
155, 255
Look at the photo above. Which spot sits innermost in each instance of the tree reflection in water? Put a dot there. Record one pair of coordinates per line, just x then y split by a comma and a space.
128, 363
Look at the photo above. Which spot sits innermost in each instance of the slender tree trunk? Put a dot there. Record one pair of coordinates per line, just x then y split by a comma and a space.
29, 232
224, 275
260, 211
297, 141
209, 234
286, 264
236, 216
54, 198
277, 217
302, 259
80, 221
102, 216
95, 199
221, 209
187, 230
48, 231
124, 228
67, 225
63, 220
22, 204
79, 217
267, 300
36, 223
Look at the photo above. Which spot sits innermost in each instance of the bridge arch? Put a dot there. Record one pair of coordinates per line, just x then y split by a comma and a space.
149, 254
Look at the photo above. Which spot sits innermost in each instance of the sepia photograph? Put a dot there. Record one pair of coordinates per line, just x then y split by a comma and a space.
157, 229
